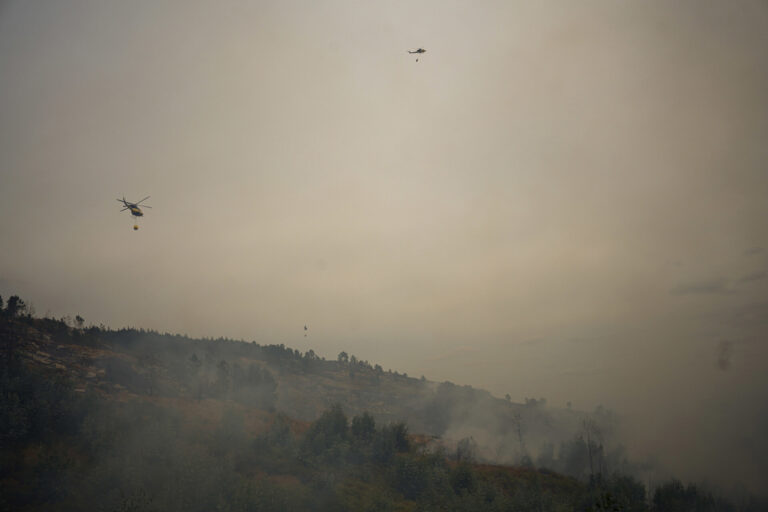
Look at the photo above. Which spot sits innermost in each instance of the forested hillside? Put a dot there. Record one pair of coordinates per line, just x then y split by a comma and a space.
130, 420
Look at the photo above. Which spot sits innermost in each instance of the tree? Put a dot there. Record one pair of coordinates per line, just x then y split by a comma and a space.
79, 320
343, 357
363, 427
675, 496
194, 363
280, 431
15, 306
328, 430
399, 432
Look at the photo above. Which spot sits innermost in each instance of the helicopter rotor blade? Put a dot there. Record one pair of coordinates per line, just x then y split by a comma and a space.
139, 202
145, 206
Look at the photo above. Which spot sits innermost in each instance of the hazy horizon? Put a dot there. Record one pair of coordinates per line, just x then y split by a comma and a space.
558, 200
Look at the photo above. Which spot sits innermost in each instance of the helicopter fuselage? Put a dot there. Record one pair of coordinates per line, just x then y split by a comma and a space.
133, 208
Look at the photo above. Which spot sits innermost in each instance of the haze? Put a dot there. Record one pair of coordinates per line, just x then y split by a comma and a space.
561, 200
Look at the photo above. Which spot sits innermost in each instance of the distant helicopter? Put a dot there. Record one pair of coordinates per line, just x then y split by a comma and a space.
134, 208
417, 51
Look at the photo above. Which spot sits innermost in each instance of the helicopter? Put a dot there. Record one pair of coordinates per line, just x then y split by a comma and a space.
134, 208
417, 51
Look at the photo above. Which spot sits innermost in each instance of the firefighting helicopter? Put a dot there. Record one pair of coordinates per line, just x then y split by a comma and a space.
134, 208
417, 51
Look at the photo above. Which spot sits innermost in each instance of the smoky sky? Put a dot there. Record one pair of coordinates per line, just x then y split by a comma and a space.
724, 354
590, 176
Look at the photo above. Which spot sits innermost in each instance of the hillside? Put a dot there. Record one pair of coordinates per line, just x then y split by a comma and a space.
129, 362
98, 419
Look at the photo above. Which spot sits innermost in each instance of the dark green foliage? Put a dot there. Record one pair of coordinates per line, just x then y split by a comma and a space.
34, 408
329, 429
35, 414
389, 441
363, 427
138, 501
411, 476
605, 501
463, 480
383, 448
280, 432
58, 330
325, 443
676, 497
628, 493
275, 451
15, 306
399, 435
